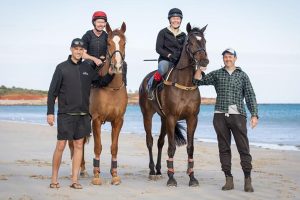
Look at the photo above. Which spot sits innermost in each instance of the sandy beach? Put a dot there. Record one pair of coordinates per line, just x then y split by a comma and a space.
25, 170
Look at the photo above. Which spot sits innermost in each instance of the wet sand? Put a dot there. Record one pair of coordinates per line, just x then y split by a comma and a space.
25, 169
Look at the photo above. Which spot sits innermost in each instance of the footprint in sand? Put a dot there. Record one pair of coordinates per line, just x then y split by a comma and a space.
24, 197
3, 178
36, 162
39, 177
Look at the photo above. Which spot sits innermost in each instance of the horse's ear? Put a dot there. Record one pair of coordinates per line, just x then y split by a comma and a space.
123, 27
204, 28
188, 27
108, 29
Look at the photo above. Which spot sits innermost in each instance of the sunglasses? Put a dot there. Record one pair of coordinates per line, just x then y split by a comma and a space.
78, 43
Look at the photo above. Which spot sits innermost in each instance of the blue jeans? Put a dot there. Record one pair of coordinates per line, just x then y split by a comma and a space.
163, 67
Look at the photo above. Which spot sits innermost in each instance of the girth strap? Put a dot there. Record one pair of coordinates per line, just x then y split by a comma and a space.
180, 86
170, 83
114, 89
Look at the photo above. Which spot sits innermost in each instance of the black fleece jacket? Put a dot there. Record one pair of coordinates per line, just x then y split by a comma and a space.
167, 43
71, 83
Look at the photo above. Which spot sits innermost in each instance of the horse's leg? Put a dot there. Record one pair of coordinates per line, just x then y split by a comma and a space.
191, 127
116, 128
160, 144
97, 150
149, 141
71, 147
83, 172
170, 128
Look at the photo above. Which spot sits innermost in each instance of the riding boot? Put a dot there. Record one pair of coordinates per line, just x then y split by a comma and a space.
229, 183
151, 89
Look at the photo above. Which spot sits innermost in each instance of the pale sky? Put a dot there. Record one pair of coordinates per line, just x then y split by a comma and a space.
36, 36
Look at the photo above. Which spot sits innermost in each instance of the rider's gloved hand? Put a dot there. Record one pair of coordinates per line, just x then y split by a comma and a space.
173, 58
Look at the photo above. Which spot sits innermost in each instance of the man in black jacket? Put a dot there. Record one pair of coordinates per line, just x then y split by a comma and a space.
71, 84
169, 45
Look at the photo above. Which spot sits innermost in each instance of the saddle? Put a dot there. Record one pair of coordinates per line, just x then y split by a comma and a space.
165, 81
161, 85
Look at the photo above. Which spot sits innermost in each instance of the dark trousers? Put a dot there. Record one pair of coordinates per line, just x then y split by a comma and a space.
235, 124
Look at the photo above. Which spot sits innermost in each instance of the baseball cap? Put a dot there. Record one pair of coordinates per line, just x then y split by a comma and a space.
229, 50
77, 42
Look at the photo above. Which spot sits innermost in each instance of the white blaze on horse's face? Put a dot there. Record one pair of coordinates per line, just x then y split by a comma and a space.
118, 57
199, 38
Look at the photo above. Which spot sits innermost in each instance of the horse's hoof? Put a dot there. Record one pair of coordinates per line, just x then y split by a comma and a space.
84, 174
96, 181
193, 182
172, 182
159, 176
152, 177
116, 180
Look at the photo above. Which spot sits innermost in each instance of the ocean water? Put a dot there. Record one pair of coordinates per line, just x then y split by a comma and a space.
278, 128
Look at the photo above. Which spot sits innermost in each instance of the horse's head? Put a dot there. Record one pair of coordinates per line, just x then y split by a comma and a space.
116, 47
196, 46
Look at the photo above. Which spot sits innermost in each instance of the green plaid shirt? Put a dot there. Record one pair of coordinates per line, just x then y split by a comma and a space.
231, 90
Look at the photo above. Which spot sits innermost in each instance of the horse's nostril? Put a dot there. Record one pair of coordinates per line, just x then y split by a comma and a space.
204, 62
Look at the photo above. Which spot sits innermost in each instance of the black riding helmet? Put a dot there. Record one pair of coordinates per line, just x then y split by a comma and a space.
175, 12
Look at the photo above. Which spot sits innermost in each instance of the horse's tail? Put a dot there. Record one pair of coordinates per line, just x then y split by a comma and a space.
86, 139
179, 138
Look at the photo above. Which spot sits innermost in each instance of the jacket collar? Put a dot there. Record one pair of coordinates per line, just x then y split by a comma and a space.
175, 34
236, 68
71, 61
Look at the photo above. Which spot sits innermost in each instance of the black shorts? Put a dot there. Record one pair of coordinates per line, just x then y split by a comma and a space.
73, 127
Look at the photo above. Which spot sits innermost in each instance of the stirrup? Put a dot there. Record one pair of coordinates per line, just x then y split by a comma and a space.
150, 94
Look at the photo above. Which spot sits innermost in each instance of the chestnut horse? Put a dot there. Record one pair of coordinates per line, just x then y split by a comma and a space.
108, 104
178, 100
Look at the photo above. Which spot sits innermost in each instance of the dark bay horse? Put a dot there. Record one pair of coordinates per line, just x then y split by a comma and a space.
108, 104
178, 100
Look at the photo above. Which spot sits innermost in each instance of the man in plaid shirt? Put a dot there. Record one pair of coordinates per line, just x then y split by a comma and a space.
232, 86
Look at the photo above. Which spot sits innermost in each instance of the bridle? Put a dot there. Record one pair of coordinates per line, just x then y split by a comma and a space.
110, 56
112, 65
196, 64
192, 54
